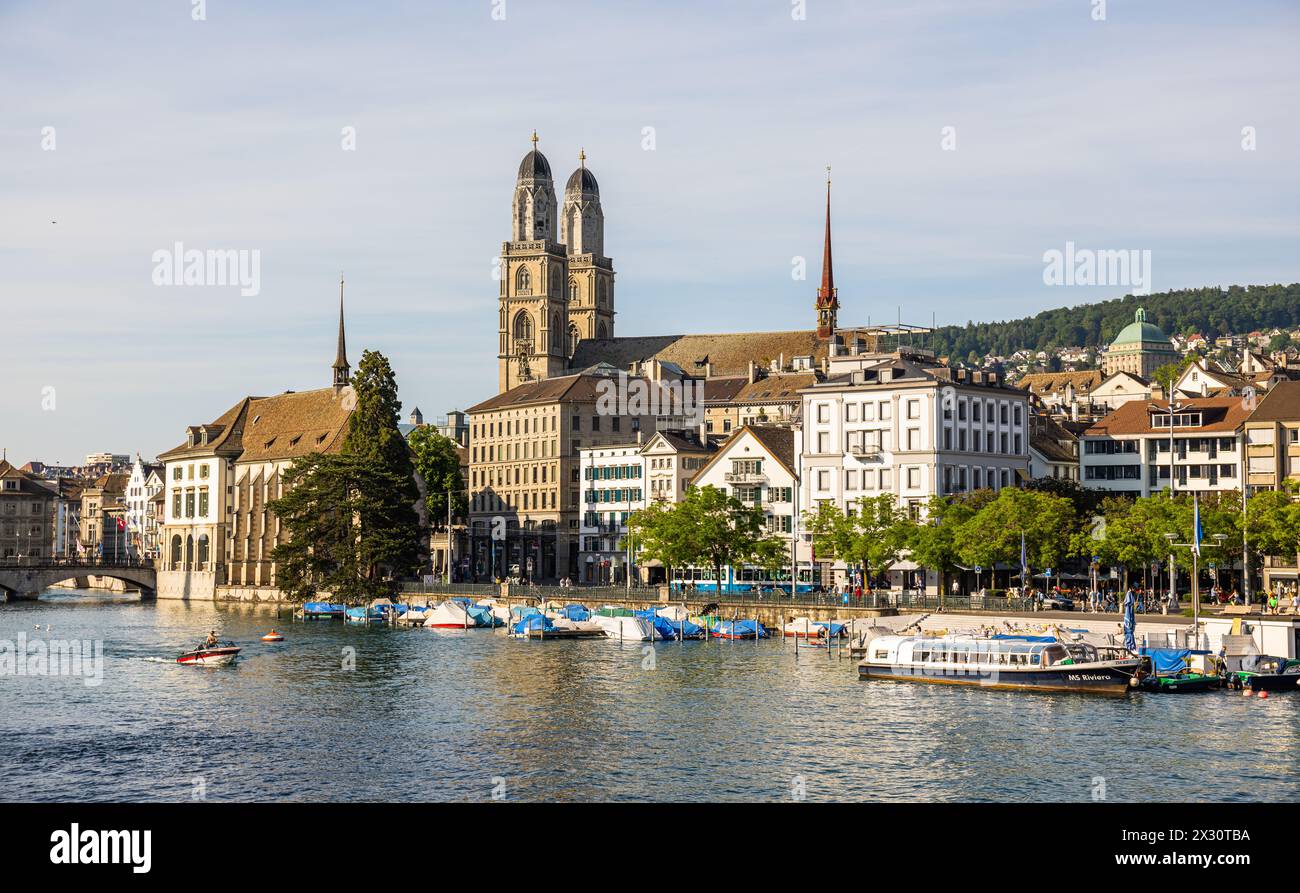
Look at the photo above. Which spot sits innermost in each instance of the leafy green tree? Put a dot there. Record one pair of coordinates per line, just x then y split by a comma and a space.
1273, 521
994, 533
932, 541
340, 529
708, 528
436, 460
351, 516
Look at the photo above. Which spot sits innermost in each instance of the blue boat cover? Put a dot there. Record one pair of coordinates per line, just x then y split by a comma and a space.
575, 612
533, 621
741, 628
1167, 660
322, 608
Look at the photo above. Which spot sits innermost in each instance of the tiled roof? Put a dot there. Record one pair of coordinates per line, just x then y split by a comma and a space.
778, 440
729, 353
295, 424
1052, 382
1220, 414
775, 388
1280, 404
268, 429
578, 387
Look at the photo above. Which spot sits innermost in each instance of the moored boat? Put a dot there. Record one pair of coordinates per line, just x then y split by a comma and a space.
1026, 663
451, 614
1263, 672
739, 629
807, 628
323, 611
1169, 671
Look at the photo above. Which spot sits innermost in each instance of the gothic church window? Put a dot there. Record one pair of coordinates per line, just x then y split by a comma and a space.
524, 281
523, 326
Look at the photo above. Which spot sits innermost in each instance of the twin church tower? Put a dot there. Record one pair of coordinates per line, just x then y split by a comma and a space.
554, 292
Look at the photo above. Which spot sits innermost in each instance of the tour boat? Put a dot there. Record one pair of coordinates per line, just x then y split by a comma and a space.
216, 656
1022, 663
1263, 672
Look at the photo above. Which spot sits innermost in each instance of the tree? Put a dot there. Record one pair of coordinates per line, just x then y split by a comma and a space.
994, 533
351, 516
708, 528
436, 460
1273, 519
871, 535
932, 542
340, 529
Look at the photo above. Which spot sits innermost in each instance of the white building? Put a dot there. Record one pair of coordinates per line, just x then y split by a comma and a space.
907, 425
1128, 451
613, 487
142, 524
757, 466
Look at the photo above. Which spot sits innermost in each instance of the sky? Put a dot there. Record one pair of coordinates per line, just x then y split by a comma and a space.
966, 139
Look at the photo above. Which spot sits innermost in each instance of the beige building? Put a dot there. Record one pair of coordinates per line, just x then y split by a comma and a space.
103, 517
1272, 436
525, 463
1140, 348
26, 503
217, 532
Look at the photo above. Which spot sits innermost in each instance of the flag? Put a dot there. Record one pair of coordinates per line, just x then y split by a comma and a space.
1024, 560
1198, 532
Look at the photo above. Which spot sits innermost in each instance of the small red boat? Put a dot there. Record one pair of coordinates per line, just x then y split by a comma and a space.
216, 656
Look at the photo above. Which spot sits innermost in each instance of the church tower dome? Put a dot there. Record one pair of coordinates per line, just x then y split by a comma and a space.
534, 203
533, 321
590, 284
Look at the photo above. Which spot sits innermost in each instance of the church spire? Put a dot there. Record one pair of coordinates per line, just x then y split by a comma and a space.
342, 371
827, 298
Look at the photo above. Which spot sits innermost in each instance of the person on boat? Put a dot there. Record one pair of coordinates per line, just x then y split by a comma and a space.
211, 640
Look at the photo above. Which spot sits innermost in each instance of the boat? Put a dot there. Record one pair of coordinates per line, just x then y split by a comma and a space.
451, 614
539, 626
806, 628
1263, 672
323, 611
273, 636
626, 628
739, 629
1171, 672
218, 655
1011, 662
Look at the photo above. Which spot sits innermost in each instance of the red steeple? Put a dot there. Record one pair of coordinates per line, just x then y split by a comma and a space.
827, 299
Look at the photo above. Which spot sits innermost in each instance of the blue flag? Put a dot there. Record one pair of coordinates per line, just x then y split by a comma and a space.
1024, 561
1198, 532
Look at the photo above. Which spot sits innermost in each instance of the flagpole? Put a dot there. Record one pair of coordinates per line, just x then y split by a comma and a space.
1196, 570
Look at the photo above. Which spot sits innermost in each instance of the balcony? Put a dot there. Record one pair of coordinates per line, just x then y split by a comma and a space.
868, 451
745, 477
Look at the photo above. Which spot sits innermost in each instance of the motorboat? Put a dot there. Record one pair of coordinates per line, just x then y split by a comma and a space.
1169, 671
322, 611
627, 628
1263, 672
204, 655
1001, 661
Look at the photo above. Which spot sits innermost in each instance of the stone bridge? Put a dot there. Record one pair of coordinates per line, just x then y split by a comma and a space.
29, 577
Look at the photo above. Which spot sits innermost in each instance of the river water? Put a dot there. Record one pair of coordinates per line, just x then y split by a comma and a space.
472, 715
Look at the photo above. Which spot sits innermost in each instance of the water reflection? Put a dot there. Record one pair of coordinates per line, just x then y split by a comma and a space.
440, 715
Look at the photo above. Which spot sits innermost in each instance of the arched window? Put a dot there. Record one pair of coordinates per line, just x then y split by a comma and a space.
573, 291
203, 551
523, 326
524, 281
176, 549
557, 332
604, 292
557, 287
573, 339
189, 551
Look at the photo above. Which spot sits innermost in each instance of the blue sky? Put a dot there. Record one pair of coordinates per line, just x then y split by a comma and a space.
225, 133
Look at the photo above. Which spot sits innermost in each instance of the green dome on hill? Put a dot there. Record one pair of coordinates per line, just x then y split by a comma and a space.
1140, 332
